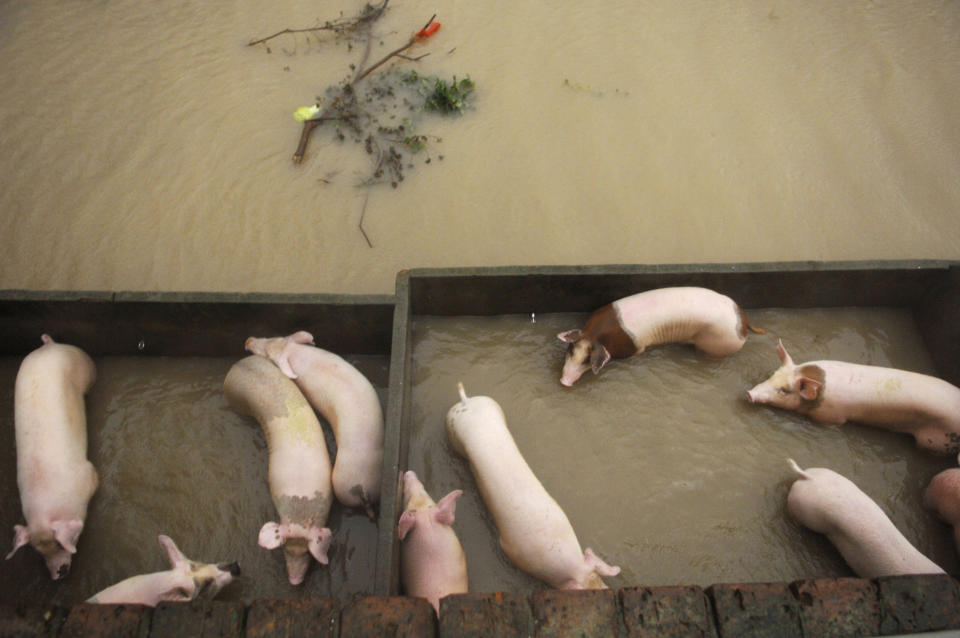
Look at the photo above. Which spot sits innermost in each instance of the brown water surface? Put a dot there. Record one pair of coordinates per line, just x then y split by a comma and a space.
660, 463
174, 459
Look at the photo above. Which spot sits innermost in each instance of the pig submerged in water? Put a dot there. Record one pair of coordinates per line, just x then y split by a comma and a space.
55, 478
535, 533
299, 466
347, 400
943, 497
834, 392
432, 562
712, 322
828, 503
184, 581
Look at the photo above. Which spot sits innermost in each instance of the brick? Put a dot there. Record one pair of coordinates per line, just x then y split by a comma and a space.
838, 607
23, 621
399, 617
666, 612
88, 620
199, 619
755, 609
918, 603
591, 613
315, 617
500, 615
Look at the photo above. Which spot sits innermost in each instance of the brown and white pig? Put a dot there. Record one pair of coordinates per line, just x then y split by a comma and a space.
828, 503
55, 478
299, 466
347, 400
186, 580
834, 392
432, 562
712, 322
943, 497
535, 533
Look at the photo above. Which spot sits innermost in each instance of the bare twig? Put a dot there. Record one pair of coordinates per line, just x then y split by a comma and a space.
363, 212
368, 15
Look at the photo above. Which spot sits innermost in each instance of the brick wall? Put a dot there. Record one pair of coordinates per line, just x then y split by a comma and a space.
821, 608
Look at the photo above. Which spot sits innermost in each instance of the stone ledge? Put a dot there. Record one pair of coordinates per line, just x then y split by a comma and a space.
806, 608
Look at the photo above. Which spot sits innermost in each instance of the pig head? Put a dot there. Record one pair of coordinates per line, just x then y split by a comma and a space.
299, 544
790, 387
186, 580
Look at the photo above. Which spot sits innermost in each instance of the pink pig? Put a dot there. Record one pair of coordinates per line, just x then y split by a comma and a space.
55, 478
535, 533
299, 467
834, 392
347, 400
943, 497
712, 322
184, 581
432, 562
872, 546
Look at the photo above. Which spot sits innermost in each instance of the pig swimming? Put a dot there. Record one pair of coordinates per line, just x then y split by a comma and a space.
834, 392
347, 400
943, 497
828, 503
55, 478
432, 562
299, 467
184, 581
712, 322
534, 531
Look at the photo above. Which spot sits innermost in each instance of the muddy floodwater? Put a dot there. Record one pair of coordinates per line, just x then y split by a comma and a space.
660, 462
147, 147
174, 459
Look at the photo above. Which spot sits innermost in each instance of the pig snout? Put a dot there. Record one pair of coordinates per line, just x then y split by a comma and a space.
233, 568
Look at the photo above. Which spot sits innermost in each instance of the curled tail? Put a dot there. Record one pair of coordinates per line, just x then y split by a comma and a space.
797, 469
745, 325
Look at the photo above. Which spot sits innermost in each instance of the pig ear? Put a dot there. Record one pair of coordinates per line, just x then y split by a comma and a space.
283, 362
783, 354
301, 336
447, 508
174, 555
599, 357
570, 336
271, 536
67, 533
808, 388
407, 521
181, 593
319, 543
21, 536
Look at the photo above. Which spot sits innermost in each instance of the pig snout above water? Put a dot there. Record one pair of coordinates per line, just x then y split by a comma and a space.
299, 465
186, 580
55, 478
712, 322
834, 392
942, 495
535, 533
828, 503
347, 400
432, 562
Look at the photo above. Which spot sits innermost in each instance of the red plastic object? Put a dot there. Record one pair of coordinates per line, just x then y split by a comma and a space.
428, 30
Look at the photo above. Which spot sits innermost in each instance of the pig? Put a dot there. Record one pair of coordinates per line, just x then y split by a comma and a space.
432, 562
55, 478
834, 392
299, 465
943, 497
826, 502
712, 322
347, 400
184, 581
534, 532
